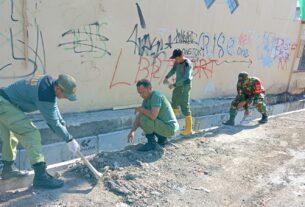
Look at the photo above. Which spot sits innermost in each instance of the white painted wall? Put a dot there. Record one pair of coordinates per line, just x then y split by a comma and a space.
96, 41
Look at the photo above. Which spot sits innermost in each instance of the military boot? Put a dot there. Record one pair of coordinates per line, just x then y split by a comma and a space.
150, 145
10, 170
231, 121
43, 179
162, 141
264, 119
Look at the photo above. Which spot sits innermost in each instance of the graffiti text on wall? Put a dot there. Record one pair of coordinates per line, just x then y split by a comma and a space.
87, 39
194, 45
275, 49
13, 39
155, 69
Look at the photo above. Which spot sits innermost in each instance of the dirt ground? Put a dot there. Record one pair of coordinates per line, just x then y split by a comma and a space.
259, 165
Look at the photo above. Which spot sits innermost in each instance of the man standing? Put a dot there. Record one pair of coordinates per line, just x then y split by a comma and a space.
249, 91
155, 117
37, 93
182, 88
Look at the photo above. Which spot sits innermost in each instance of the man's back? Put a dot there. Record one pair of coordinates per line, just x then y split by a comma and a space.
27, 93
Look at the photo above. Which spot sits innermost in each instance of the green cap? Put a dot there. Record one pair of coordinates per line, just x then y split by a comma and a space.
242, 76
68, 84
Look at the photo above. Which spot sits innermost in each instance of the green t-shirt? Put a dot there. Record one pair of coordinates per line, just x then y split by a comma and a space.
158, 100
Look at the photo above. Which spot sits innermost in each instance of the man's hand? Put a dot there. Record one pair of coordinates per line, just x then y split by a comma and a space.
73, 146
131, 136
247, 112
139, 110
241, 104
171, 86
166, 82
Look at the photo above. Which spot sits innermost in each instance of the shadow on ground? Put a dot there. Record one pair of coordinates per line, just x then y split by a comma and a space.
216, 131
36, 196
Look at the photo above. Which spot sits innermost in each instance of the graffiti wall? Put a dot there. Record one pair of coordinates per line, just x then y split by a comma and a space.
110, 44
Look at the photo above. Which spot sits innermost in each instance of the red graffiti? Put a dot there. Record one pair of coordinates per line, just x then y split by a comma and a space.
243, 39
204, 66
149, 69
112, 82
156, 70
282, 64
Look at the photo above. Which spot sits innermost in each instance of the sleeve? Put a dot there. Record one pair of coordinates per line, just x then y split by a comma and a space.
156, 101
238, 87
171, 72
257, 87
187, 74
62, 121
52, 116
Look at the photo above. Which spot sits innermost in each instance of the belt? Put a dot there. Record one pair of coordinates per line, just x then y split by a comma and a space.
187, 82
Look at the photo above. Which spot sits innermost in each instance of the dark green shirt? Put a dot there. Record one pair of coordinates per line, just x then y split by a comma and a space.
183, 73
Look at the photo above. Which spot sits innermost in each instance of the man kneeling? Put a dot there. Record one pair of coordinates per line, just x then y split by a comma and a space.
156, 117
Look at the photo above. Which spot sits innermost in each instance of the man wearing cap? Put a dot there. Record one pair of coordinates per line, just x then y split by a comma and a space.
182, 88
155, 117
28, 95
249, 91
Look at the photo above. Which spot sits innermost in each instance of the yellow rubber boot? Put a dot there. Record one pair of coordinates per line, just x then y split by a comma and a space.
188, 126
176, 112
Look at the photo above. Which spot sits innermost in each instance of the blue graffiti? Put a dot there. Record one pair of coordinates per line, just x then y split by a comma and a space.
273, 49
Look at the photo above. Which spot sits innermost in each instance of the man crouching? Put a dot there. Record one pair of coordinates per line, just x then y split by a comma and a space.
156, 117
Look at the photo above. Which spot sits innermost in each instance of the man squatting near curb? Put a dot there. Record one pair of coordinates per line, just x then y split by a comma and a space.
155, 117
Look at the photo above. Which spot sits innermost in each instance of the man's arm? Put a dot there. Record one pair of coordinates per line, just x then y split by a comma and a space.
238, 88
257, 88
136, 123
171, 73
62, 121
50, 113
152, 114
135, 126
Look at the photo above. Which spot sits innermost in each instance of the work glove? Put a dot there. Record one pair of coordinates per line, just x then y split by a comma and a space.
171, 86
165, 82
73, 146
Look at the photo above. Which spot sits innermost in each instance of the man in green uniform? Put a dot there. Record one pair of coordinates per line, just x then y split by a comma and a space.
249, 91
182, 88
28, 95
155, 117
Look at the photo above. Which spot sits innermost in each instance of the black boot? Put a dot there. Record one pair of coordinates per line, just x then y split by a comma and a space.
264, 119
231, 121
162, 141
150, 145
43, 179
10, 171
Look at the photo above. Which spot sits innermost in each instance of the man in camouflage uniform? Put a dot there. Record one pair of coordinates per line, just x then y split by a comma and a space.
249, 91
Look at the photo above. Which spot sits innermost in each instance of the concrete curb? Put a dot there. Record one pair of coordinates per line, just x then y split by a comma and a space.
117, 141
57, 152
58, 156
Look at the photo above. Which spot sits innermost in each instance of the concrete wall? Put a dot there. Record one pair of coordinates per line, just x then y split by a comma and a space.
110, 44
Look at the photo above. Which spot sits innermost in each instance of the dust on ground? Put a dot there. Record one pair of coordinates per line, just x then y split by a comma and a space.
259, 165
